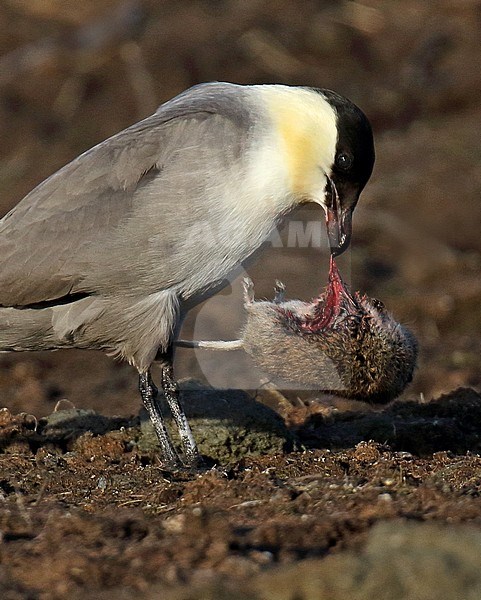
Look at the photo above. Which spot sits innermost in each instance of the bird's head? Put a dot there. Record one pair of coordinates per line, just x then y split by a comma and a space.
328, 148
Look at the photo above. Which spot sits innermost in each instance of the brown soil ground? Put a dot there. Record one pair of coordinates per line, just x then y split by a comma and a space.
304, 496
85, 510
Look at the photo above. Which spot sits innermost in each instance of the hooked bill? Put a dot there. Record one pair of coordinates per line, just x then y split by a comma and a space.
341, 343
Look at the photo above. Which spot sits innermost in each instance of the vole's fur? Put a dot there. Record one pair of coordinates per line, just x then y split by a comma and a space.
339, 343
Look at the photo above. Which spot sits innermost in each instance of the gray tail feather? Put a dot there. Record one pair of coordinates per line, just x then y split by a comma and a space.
27, 329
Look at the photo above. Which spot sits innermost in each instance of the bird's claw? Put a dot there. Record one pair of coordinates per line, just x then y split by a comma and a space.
279, 292
248, 290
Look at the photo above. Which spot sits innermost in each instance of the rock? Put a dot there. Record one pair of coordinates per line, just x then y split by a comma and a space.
227, 424
64, 425
401, 561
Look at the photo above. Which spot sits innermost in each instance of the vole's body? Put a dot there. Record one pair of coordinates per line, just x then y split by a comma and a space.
339, 343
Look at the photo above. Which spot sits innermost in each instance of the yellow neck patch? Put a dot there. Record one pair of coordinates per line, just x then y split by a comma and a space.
305, 124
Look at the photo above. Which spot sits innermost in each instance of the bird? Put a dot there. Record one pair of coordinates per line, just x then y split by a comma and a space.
110, 252
341, 343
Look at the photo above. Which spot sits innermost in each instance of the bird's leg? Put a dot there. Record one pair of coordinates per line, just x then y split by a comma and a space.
170, 389
149, 393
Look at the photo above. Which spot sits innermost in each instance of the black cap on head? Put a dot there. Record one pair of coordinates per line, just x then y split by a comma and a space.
353, 164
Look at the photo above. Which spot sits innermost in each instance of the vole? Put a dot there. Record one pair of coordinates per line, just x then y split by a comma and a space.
341, 343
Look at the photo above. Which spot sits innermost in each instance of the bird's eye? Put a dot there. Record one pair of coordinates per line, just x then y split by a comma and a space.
344, 161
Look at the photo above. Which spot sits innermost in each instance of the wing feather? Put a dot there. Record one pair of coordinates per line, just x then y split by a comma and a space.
88, 228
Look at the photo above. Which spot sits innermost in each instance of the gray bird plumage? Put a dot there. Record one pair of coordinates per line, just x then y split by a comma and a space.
107, 226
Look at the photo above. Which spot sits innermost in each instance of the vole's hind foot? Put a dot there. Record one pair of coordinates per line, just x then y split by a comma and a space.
248, 290
279, 292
